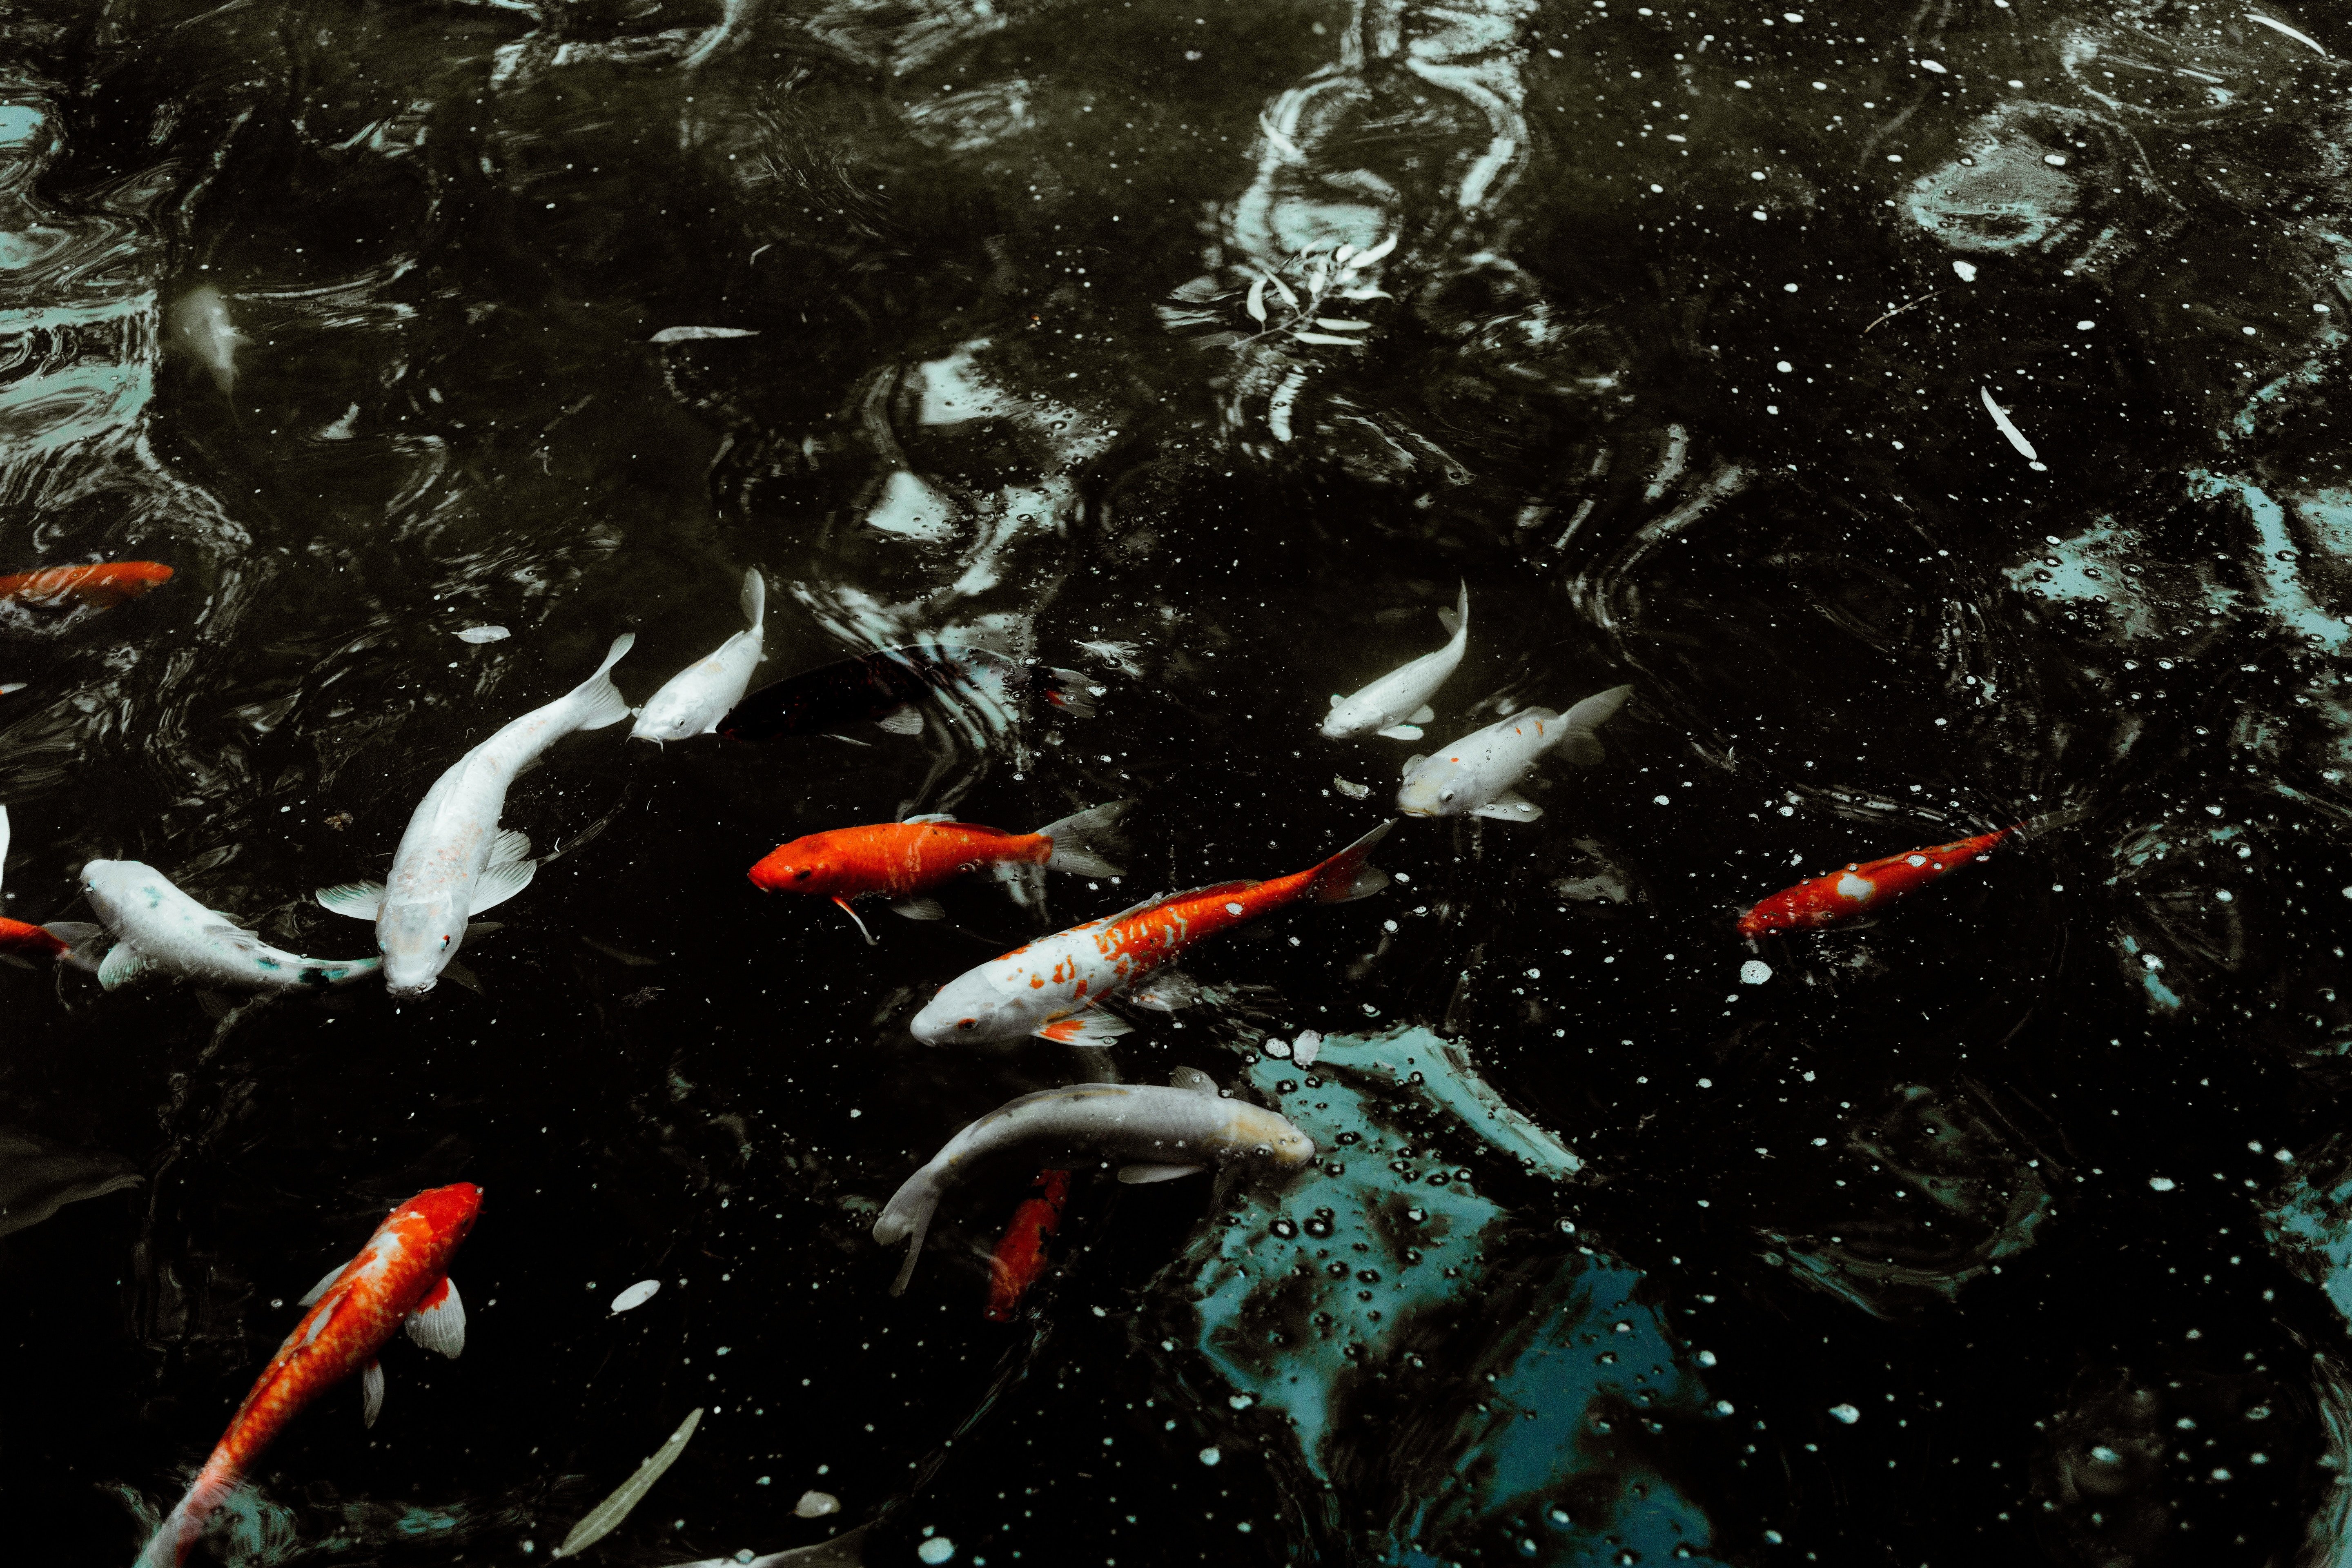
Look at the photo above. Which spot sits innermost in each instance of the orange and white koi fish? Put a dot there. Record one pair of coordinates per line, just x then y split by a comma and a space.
1863, 888
1019, 1255
98, 585
22, 943
1050, 987
400, 1277
905, 860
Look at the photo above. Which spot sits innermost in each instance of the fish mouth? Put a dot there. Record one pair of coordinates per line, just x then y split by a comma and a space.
416, 988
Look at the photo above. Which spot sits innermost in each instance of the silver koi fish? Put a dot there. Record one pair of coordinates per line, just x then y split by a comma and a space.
1155, 1135
698, 696
452, 861
1477, 775
1397, 704
159, 929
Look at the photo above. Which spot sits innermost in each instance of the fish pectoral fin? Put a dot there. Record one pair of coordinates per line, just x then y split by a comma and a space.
499, 882
920, 909
361, 900
463, 975
929, 816
906, 721
371, 1392
1510, 807
1092, 1028
320, 1289
483, 928
509, 845
1193, 1080
438, 1323
1401, 732
215, 1006
1415, 759
832, 735
1137, 1174
1422, 714
122, 965
851, 910
1167, 992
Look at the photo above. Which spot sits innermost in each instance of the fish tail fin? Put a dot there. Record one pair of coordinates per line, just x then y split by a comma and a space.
908, 1216
1349, 874
184, 1525
1070, 691
78, 936
1577, 742
1456, 621
755, 600
2048, 822
596, 701
1073, 840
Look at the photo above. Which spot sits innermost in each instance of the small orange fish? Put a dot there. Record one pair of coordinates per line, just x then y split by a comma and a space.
99, 586
1862, 888
905, 860
1020, 1257
21, 943
402, 1274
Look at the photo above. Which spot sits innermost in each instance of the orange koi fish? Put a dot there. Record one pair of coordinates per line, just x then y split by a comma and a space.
1050, 987
1863, 888
99, 586
1020, 1257
22, 943
402, 1276
905, 860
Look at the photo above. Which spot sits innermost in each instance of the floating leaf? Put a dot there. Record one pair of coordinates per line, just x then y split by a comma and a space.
638, 1294
1338, 325
484, 634
606, 1516
1327, 338
1256, 303
1283, 289
695, 335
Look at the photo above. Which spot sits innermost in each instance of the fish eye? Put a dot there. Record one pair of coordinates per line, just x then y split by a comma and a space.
444, 944
805, 872
1446, 795
966, 1022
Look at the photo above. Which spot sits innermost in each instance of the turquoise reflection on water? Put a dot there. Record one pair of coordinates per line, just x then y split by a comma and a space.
1447, 1375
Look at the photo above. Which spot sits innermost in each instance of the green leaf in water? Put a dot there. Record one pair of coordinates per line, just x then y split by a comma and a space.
606, 1516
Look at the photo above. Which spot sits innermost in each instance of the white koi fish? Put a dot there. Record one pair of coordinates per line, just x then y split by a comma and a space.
452, 861
1397, 704
698, 696
200, 330
1050, 987
1477, 775
1154, 1134
159, 929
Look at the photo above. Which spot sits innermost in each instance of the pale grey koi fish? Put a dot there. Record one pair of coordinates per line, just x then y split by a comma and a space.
698, 696
453, 862
1397, 704
1478, 774
159, 929
1153, 1135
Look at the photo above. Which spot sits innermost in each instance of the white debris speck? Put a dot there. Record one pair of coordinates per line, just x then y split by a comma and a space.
2055, 160
484, 634
1845, 1412
1755, 972
1350, 788
2001, 419
1933, 65
692, 334
2084, 326
636, 1295
1784, 367
1303, 1049
816, 1505
1279, 1048
1234, 910
2162, 1183
938, 1549
1967, 271
1662, 800
1210, 1455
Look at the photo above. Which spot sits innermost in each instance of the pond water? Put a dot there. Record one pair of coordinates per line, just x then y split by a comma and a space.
1930, 412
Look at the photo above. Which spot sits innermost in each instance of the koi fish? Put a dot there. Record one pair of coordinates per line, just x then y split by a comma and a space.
1156, 1134
1477, 774
1863, 888
1050, 987
452, 861
98, 585
26, 944
200, 330
886, 687
905, 860
1019, 1255
159, 929
1397, 704
400, 1279
698, 696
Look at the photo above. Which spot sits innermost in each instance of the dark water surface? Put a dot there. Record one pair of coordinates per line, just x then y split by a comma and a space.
2013, 1228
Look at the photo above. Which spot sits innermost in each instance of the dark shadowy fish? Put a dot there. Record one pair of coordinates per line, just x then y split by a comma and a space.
38, 1177
886, 687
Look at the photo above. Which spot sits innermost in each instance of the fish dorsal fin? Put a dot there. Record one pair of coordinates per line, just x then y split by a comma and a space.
371, 1392
438, 1323
499, 882
923, 817
325, 1281
902, 721
1138, 1175
1210, 891
122, 965
361, 900
920, 909
1192, 1080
